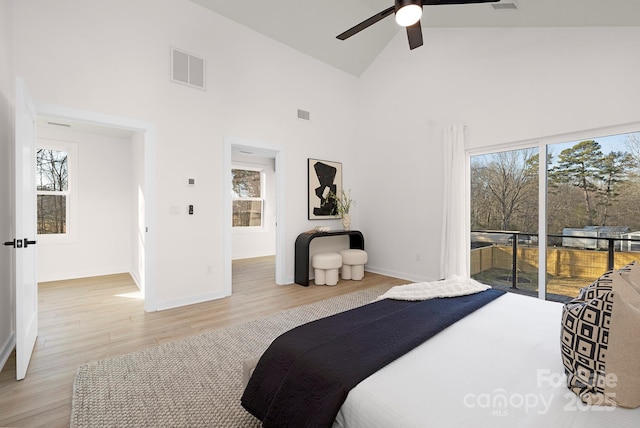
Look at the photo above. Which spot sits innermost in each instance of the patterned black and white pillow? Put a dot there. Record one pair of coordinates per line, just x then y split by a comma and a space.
586, 322
600, 343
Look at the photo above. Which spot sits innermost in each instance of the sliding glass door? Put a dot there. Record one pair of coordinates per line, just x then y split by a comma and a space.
577, 219
593, 203
504, 219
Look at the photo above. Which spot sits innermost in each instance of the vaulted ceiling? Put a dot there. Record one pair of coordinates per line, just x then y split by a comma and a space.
311, 26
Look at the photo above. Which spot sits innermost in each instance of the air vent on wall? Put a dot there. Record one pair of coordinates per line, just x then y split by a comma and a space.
66, 125
187, 69
505, 6
304, 115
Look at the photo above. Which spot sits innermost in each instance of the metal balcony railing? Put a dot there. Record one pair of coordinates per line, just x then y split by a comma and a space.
516, 238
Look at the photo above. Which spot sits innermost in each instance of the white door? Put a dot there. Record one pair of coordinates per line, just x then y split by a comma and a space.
25, 228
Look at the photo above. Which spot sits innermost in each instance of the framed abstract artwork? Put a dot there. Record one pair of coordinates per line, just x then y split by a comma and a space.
324, 177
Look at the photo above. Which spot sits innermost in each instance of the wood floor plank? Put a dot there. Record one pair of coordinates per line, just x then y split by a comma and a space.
88, 319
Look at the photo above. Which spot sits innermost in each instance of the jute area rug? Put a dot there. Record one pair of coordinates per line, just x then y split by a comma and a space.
192, 382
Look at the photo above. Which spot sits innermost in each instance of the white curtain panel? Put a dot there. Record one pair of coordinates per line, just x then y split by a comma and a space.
454, 255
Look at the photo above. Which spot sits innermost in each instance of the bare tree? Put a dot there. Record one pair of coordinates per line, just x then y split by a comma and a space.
53, 178
504, 189
632, 142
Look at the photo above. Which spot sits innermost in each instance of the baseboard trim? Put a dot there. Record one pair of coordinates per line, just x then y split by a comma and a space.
252, 255
170, 304
7, 349
136, 280
86, 274
400, 275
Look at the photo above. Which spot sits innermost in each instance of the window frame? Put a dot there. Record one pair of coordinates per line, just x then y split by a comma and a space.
71, 194
542, 144
261, 199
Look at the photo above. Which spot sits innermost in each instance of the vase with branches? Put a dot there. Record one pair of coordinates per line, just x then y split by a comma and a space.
342, 204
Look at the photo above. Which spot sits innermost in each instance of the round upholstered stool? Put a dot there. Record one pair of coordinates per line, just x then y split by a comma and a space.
353, 262
326, 267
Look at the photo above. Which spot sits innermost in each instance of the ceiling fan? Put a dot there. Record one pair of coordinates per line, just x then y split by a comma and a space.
408, 13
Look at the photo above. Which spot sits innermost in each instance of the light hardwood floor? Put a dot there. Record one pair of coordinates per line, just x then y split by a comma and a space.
89, 319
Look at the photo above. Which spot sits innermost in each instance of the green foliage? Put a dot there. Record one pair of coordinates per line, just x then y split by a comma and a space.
585, 187
598, 176
342, 203
578, 165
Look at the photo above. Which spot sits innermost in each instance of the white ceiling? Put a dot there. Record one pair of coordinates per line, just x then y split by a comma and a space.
311, 26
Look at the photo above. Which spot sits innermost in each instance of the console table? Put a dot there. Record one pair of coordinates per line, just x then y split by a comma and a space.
356, 240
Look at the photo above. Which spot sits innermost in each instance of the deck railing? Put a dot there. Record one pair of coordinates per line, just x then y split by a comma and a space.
516, 238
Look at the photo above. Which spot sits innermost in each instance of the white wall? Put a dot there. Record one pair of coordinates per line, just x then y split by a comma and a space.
258, 242
506, 85
113, 58
7, 327
103, 242
138, 205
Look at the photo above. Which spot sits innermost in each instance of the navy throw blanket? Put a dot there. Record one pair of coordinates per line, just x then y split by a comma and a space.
304, 376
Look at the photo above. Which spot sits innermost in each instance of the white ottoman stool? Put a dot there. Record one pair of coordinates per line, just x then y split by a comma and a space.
326, 267
353, 262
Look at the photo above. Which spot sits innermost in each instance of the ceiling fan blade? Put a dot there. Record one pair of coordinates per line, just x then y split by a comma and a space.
414, 34
366, 23
437, 2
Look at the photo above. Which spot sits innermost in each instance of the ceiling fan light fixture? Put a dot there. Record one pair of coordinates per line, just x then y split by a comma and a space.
408, 12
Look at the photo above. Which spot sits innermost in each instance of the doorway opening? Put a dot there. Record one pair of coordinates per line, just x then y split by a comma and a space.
141, 137
264, 234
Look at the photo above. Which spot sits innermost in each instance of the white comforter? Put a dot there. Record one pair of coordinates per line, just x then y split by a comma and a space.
498, 367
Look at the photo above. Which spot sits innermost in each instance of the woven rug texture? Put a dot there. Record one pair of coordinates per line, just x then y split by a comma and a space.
192, 382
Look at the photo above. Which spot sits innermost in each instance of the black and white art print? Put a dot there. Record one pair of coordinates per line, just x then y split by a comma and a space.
325, 177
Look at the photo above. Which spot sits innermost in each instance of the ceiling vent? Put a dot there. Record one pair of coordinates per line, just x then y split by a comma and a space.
304, 115
511, 5
187, 69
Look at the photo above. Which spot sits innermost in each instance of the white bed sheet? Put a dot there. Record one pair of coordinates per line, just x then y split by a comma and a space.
498, 367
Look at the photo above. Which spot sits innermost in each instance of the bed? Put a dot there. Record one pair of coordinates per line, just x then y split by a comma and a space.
498, 366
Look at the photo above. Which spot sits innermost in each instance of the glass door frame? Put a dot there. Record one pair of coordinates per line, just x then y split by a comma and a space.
542, 144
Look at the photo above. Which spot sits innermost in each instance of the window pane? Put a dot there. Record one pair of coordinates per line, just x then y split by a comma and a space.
246, 183
52, 171
247, 213
593, 200
504, 219
52, 214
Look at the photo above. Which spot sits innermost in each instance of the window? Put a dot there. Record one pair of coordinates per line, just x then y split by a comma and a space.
54, 172
53, 190
588, 205
247, 197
